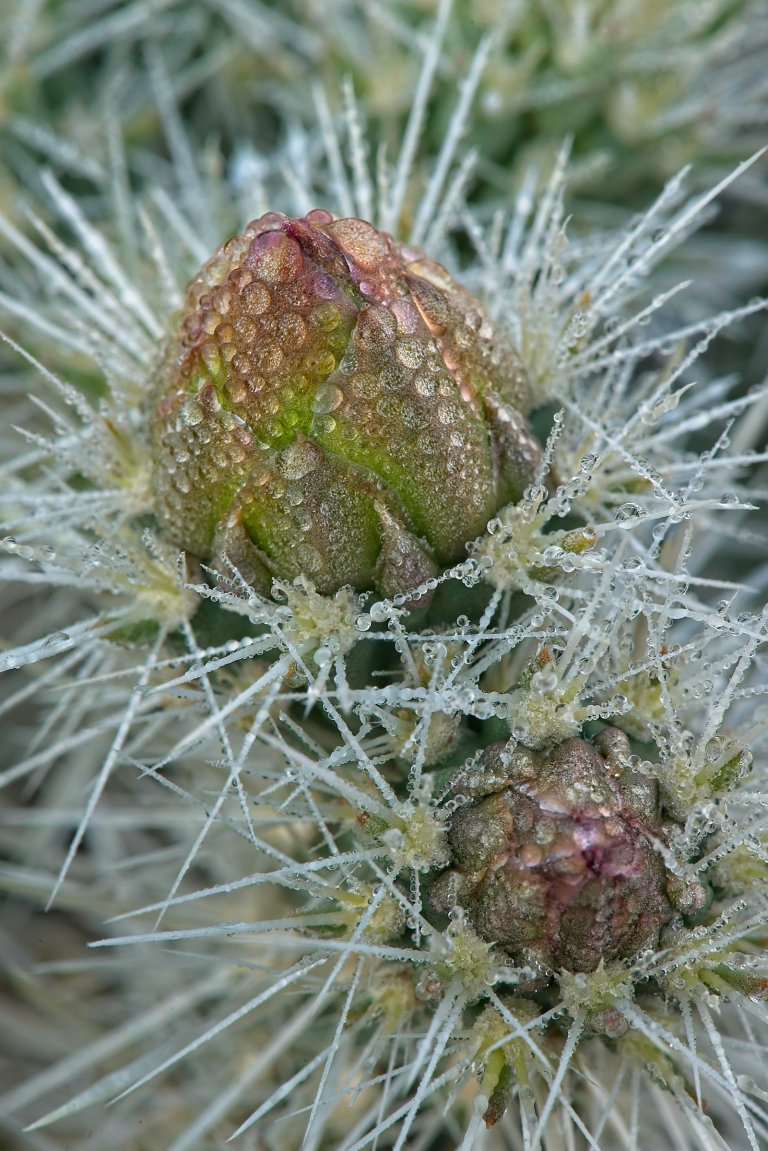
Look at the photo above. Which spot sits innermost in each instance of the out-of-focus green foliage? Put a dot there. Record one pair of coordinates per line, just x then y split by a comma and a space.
643, 85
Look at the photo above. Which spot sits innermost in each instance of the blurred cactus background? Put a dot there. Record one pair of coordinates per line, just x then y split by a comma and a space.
643, 88
113, 96
565, 521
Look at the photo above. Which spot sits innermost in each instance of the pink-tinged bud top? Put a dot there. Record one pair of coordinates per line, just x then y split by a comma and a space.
328, 397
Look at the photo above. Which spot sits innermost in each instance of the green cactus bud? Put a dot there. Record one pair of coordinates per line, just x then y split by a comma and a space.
555, 858
332, 403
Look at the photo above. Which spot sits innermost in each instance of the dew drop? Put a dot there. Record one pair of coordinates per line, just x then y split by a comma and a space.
629, 514
327, 399
394, 839
409, 352
714, 748
424, 384
324, 425
544, 681
326, 317
191, 413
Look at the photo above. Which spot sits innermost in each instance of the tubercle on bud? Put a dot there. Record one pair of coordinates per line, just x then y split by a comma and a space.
517, 453
234, 553
339, 402
404, 561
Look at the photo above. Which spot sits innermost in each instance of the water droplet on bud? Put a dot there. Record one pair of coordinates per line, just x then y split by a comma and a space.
543, 682
327, 399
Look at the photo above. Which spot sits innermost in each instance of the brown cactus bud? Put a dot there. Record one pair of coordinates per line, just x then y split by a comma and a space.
340, 403
556, 864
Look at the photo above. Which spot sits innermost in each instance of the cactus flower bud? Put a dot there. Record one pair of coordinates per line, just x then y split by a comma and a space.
332, 403
555, 860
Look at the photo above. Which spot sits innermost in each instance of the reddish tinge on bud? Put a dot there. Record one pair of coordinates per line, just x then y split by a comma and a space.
333, 403
556, 858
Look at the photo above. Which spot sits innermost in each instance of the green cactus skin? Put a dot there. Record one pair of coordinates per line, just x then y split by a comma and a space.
332, 403
554, 858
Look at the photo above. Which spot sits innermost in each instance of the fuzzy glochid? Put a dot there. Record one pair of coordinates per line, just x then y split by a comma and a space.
333, 404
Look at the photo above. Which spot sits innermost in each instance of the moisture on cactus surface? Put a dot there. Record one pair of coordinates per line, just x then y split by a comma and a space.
333, 403
385, 594
556, 863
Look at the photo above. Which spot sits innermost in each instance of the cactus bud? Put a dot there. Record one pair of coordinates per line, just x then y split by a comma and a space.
332, 403
555, 859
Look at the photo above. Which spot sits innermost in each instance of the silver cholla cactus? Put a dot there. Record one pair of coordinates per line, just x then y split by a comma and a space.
556, 858
334, 404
